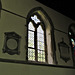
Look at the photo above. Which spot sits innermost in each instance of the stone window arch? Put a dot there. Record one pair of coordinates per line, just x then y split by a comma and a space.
38, 14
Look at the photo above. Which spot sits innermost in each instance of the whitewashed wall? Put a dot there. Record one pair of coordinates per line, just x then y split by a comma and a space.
10, 22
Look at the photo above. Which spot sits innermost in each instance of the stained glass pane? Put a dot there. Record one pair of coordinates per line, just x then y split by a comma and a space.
30, 39
31, 54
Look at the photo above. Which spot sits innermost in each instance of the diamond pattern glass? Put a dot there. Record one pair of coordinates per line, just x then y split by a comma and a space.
31, 54
30, 39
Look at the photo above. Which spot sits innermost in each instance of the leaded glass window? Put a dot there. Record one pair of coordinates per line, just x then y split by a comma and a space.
73, 45
40, 44
36, 40
31, 49
72, 40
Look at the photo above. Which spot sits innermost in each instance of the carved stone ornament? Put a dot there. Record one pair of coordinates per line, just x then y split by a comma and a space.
64, 50
11, 43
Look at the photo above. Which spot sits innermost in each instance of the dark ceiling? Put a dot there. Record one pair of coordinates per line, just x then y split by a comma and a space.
65, 7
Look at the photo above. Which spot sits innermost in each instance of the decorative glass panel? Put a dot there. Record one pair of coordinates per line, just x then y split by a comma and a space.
35, 19
31, 54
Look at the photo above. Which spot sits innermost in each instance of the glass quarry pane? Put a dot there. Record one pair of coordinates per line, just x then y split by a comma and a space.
43, 60
39, 59
30, 39
40, 37
31, 54
40, 45
41, 56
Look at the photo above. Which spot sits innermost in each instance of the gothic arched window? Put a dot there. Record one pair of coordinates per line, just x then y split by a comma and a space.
72, 40
36, 40
40, 37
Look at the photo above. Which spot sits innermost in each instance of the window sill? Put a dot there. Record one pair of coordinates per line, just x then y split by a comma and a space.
32, 63
36, 62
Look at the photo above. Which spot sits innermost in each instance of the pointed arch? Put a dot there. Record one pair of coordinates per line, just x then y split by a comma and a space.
47, 25
71, 34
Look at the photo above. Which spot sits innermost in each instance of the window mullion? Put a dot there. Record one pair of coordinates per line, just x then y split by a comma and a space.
46, 59
35, 40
